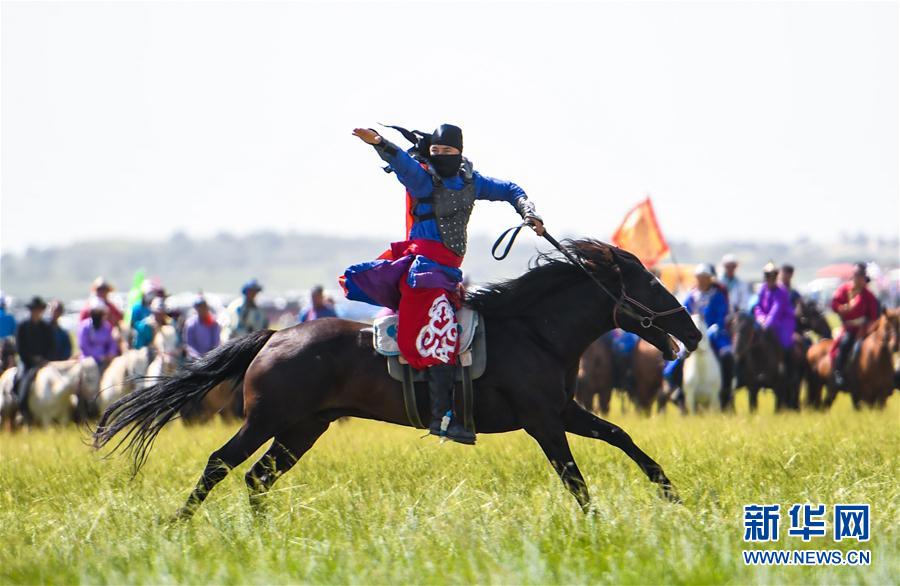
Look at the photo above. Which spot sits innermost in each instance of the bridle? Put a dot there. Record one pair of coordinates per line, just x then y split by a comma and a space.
624, 303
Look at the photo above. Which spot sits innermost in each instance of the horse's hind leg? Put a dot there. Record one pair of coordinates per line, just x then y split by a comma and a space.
580, 422
286, 450
240, 447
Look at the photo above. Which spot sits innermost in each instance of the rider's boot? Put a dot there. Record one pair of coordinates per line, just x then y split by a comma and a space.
444, 422
840, 360
458, 432
22, 386
839, 381
440, 390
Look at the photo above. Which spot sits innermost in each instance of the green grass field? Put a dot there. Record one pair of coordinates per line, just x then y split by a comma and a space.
374, 504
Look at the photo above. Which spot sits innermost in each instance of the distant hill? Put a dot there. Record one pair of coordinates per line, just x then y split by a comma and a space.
290, 263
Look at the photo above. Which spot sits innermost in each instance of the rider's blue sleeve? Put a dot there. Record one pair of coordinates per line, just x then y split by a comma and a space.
689, 304
717, 310
496, 189
409, 172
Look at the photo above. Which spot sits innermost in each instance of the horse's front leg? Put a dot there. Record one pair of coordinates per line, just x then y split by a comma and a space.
580, 422
551, 436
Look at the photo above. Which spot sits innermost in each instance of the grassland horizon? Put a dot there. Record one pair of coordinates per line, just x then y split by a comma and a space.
372, 503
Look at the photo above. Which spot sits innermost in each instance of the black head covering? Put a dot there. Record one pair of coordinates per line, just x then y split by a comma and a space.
448, 135
36, 303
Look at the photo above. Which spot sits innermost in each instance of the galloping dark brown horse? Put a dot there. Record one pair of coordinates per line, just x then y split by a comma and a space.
298, 380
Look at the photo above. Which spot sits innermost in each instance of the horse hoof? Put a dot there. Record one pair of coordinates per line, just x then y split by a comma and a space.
668, 492
183, 514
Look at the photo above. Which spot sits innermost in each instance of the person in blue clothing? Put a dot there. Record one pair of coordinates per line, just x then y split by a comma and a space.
420, 276
319, 306
62, 342
710, 300
7, 321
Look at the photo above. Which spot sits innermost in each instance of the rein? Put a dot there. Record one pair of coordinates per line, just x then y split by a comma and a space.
623, 302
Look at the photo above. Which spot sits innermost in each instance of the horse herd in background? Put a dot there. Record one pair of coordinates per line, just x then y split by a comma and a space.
873, 371
75, 390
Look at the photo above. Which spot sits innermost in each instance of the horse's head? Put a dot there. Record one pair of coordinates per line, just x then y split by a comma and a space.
894, 317
743, 332
811, 319
889, 325
643, 304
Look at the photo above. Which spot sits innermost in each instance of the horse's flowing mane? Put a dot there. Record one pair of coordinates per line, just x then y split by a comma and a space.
548, 272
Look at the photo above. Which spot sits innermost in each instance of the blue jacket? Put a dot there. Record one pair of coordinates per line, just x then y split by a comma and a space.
7, 324
419, 183
713, 306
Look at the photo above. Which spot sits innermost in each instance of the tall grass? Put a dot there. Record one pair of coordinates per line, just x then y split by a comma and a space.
374, 504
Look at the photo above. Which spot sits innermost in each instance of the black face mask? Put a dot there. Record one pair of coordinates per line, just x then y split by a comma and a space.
446, 165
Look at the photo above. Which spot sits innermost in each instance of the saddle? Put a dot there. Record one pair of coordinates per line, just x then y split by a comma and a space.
472, 362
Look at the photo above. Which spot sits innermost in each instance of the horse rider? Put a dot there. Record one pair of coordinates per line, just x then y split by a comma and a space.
148, 327
243, 316
857, 307
34, 340
738, 291
62, 343
100, 289
95, 334
774, 312
7, 321
319, 306
709, 299
150, 289
420, 277
622, 345
201, 331
786, 276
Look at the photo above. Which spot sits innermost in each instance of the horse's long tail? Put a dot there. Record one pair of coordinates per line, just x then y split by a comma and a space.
144, 413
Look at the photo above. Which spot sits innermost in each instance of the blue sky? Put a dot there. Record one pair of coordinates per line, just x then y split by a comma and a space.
743, 120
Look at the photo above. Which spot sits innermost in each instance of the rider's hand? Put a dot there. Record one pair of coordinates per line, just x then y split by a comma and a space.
367, 135
536, 225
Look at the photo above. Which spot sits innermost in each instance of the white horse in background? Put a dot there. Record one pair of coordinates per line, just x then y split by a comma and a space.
59, 386
9, 409
122, 377
165, 342
702, 377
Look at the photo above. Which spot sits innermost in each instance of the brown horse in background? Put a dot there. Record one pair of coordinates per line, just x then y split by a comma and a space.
870, 371
810, 319
596, 377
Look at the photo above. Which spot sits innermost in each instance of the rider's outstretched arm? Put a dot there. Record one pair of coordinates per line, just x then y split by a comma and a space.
410, 173
500, 190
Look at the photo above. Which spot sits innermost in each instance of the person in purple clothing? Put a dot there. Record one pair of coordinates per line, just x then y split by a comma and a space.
774, 312
95, 335
201, 331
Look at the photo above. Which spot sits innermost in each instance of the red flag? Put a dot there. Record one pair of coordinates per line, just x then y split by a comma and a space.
640, 235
